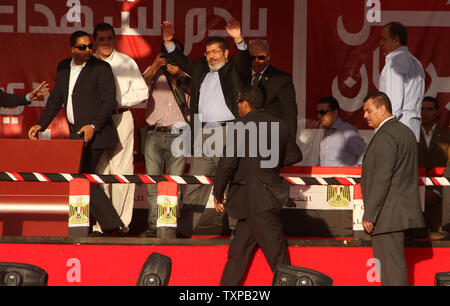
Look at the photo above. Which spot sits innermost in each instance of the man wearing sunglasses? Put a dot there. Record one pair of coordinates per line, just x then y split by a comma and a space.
216, 81
276, 86
341, 144
85, 87
131, 90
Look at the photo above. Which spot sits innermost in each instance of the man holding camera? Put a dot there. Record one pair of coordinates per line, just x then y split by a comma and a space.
167, 107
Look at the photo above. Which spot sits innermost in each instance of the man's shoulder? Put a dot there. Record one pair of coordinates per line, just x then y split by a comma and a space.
277, 73
343, 126
98, 64
395, 129
65, 62
124, 57
441, 133
404, 62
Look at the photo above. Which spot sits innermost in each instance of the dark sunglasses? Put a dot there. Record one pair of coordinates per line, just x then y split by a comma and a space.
84, 47
323, 111
240, 100
260, 57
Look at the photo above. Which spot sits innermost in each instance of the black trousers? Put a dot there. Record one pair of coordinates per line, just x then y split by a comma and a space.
266, 231
389, 249
101, 206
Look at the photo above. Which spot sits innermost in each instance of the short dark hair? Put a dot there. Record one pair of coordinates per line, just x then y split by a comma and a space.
253, 96
177, 43
380, 98
396, 29
217, 40
261, 43
103, 26
75, 35
332, 102
431, 99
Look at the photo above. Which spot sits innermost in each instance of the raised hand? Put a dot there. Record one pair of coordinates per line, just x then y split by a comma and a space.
167, 31
234, 30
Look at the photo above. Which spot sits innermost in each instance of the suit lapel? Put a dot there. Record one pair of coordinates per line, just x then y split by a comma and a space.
423, 143
65, 76
435, 139
83, 73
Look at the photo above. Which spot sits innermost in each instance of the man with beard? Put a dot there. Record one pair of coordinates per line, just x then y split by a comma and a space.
216, 82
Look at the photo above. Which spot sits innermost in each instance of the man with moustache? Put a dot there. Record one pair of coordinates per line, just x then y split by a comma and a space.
402, 77
390, 188
85, 87
216, 81
275, 85
131, 90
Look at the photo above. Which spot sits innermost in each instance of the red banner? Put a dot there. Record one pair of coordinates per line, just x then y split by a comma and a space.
329, 47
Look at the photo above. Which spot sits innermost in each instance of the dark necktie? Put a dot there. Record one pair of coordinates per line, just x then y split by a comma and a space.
255, 79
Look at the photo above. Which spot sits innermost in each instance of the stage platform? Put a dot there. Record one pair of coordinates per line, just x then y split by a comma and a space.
107, 261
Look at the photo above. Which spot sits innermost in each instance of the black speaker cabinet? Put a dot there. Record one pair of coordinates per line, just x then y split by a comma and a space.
442, 279
286, 275
156, 271
20, 274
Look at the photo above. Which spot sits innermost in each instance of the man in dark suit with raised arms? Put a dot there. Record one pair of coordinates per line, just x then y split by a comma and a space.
85, 86
256, 192
216, 81
390, 188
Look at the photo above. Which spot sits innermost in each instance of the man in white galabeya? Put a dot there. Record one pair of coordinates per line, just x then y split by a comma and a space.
402, 78
131, 90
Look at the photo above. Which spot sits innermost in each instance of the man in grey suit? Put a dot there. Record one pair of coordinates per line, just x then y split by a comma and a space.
390, 188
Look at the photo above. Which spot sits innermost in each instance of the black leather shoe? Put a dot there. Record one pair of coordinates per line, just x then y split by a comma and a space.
96, 234
149, 233
118, 232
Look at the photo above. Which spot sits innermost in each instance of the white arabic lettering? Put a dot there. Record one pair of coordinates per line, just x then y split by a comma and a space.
73, 14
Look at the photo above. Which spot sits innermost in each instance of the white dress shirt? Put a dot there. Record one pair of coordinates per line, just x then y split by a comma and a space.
403, 80
131, 88
74, 73
428, 135
383, 122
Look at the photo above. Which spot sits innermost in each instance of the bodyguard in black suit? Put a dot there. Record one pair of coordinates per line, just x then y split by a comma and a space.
256, 191
276, 85
390, 188
10, 100
88, 114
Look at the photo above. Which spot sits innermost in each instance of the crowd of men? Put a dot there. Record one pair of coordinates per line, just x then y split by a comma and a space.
98, 89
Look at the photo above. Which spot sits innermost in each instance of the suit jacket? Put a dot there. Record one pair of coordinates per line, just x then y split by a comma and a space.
389, 180
438, 153
279, 96
93, 100
234, 76
9, 100
254, 189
